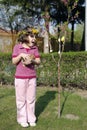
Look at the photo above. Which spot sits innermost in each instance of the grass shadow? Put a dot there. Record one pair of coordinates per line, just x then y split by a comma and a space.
43, 101
65, 95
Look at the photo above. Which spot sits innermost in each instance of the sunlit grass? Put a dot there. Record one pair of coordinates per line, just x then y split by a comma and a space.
46, 110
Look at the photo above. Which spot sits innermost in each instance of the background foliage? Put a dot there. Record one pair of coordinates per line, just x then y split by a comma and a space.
16, 15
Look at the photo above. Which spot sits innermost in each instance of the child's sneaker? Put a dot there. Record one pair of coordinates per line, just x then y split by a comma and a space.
33, 124
24, 124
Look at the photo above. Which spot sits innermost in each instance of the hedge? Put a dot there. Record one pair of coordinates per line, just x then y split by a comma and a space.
73, 69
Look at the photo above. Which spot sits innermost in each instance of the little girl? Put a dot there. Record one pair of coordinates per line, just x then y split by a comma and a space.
25, 55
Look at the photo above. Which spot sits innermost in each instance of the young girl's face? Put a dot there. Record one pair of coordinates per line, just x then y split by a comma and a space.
32, 40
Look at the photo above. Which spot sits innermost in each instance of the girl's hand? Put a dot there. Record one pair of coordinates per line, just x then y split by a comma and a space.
17, 59
23, 56
27, 59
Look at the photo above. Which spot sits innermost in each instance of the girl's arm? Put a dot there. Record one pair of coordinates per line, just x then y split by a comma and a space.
17, 59
36, 61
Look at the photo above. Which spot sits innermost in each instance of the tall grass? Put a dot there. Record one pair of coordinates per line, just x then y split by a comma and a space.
46, 110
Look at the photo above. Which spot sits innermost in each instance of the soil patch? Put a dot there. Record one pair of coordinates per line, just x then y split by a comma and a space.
82, 93
71, 117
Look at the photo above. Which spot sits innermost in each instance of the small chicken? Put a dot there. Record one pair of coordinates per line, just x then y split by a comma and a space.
28, 59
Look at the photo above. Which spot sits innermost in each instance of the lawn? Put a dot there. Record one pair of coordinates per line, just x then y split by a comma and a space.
73, 110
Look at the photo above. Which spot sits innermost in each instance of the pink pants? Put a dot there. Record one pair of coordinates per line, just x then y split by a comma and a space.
25, 99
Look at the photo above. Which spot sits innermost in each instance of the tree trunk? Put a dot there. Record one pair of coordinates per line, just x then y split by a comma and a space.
82, 48
46, 42
58, 89
72, 36
85, 25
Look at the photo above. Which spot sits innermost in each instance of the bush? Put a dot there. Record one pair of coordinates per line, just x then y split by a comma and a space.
73, 69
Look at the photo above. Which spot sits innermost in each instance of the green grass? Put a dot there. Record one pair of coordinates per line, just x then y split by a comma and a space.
46, 110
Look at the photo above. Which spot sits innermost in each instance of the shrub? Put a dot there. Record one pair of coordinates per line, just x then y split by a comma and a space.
73, 69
